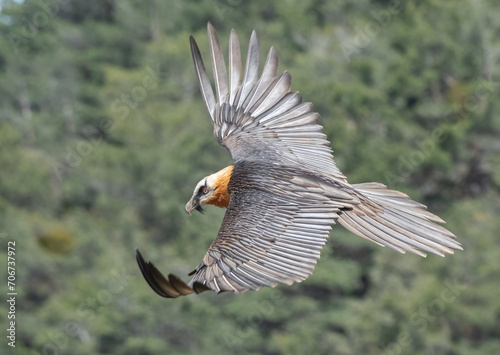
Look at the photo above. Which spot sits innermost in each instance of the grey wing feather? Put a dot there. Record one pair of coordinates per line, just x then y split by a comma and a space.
274, 94
251, 69
234, 66
266, 79
204, 81
220, 74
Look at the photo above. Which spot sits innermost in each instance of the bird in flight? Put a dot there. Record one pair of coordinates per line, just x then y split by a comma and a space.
283, 192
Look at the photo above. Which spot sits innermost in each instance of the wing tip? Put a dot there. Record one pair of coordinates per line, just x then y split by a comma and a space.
192, 42
211, 29
167, 287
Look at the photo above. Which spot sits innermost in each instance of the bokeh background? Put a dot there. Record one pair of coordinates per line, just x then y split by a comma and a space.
103, 136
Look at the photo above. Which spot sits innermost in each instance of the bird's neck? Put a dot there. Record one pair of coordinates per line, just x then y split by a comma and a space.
221, 196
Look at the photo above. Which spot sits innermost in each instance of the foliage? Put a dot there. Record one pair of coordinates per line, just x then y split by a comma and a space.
103, 135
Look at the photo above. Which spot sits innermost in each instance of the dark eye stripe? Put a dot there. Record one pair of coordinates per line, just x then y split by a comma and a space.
200, 190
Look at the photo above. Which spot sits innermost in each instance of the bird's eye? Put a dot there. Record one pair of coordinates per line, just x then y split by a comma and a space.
205, 191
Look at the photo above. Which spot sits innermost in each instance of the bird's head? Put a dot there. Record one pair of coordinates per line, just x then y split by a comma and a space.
211, 190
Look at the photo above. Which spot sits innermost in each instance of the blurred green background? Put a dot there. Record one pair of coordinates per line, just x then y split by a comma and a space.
103, 136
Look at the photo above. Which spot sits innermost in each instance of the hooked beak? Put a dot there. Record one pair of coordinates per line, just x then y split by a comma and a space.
193, 204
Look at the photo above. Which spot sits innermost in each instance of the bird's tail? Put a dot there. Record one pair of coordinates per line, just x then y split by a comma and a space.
390, 218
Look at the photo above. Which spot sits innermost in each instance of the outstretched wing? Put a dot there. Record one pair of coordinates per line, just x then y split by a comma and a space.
258, 118
272, 232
